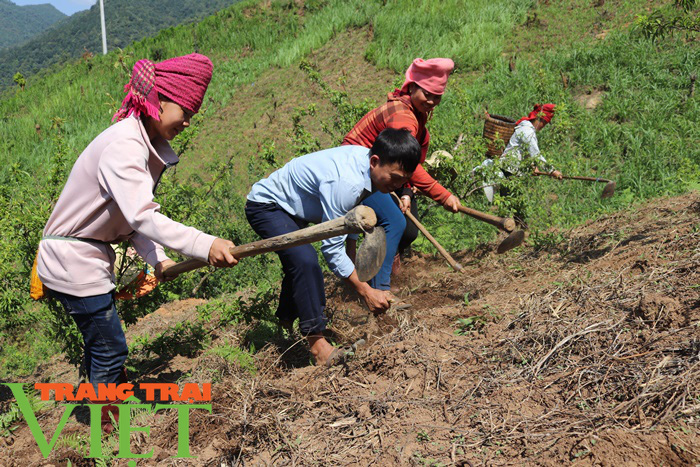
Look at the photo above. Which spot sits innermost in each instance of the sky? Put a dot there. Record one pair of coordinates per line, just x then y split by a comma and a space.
66, 6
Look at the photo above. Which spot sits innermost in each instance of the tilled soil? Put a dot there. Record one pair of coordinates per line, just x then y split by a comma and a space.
587, 351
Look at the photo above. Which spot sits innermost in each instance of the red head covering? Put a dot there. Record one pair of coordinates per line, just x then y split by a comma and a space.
430, 75
184, 80
544, 112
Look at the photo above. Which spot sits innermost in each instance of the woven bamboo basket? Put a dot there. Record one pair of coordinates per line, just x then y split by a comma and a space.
497, 130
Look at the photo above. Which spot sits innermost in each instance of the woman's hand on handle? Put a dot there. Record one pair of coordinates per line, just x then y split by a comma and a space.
160, 269
452, 204
405, 204
220, 254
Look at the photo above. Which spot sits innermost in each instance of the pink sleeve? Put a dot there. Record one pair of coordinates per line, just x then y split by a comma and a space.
123, 174
150, 251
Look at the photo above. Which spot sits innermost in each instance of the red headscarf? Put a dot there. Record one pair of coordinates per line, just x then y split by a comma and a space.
430, 75
544, 112
184, 80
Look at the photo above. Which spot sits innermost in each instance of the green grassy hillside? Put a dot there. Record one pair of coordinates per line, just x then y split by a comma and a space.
20, 23
625, 111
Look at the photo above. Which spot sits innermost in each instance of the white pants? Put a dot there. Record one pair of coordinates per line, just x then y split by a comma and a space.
491, 185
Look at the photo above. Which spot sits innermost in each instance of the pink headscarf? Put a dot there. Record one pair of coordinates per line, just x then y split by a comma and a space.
430, 75
184, 80
545, 112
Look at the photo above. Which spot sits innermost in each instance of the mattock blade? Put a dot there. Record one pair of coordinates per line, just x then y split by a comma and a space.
371, 253
609, 190
513, 240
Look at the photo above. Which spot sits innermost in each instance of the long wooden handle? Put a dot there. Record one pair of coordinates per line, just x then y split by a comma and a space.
504, 223
574, 177
359, 219
590, 179
455, 265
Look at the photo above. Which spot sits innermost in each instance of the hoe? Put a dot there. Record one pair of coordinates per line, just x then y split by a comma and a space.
608, 190
513, 240
369, 258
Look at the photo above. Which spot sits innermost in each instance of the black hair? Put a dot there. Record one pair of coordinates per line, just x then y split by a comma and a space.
397, 146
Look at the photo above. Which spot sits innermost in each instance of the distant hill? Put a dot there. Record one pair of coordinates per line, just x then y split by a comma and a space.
20, 23
126, 21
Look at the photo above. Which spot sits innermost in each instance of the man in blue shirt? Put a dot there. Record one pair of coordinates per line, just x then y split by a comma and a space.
316, 188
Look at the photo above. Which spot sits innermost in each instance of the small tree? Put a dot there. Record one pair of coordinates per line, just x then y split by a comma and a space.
19, 79
662, 22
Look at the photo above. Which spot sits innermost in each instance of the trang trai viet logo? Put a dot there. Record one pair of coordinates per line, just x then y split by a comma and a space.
194, 396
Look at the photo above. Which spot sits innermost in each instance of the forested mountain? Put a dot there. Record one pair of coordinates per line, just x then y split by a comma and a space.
126, 21
20, 23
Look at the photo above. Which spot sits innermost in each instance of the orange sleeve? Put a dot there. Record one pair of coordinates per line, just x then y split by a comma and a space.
428, 185
421, 179
403, 120
406, 120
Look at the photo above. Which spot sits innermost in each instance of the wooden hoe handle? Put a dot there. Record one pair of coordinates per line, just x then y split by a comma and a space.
359, 219
504, 223
573, 177
455, 265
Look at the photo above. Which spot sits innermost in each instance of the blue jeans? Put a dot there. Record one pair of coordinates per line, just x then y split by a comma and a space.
105, 343
303, 295
392, 219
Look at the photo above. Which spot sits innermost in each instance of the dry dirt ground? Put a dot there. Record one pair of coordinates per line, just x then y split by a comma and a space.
587, 352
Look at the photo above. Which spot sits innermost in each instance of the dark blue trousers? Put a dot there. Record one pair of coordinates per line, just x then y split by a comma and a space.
105, 343
303, 295
392, 219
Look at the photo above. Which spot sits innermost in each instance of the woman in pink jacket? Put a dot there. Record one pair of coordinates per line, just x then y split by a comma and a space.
108, 198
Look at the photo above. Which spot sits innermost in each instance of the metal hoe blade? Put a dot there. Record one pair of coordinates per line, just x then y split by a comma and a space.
511, 241
609, 190
371, 253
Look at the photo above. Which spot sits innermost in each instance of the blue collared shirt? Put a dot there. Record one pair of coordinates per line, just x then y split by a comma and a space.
319, 187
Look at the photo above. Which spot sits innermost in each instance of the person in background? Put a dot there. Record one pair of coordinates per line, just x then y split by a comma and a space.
319, 187
108, 198
522, 144
409, 107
